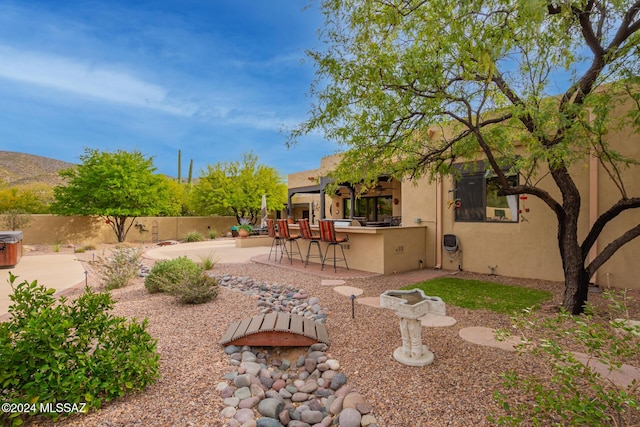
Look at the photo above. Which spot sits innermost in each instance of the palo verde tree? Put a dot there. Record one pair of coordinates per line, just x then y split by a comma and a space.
115, 186
529, 86
237, 188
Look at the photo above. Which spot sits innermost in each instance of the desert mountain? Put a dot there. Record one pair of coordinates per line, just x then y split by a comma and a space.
20, 169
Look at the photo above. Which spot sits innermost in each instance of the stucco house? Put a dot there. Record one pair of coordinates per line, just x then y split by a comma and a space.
403, 225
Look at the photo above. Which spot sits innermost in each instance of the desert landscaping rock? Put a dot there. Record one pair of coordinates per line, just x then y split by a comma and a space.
303, 397
272, 297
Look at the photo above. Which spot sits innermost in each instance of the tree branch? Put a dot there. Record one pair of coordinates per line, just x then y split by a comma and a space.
611, 249
597, 227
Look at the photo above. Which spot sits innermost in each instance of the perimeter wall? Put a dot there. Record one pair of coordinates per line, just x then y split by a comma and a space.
82, 230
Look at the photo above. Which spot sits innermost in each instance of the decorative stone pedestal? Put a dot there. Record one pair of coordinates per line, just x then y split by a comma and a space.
410, 306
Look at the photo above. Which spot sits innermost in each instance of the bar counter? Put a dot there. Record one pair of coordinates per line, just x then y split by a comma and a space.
384, 250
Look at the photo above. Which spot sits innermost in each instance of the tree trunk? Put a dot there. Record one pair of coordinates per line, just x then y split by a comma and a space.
576, 283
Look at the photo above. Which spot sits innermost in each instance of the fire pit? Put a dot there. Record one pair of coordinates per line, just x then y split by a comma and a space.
410, 306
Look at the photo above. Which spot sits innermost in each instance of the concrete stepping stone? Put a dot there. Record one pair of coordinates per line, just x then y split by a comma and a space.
370, 301
348, 290
433, 321
486, 336
332, 282
621, 377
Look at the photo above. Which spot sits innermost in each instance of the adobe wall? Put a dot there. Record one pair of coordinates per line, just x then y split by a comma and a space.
81, 230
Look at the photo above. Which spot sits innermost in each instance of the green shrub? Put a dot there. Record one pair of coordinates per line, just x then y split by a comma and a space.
120, 268
183, 279
193, 236
213, 234
196, 289
170, 271
208, 262
76, 353
570, 393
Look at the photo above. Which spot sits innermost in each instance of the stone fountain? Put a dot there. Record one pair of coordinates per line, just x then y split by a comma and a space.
410, 306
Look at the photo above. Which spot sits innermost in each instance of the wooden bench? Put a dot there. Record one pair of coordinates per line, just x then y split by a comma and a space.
276, 330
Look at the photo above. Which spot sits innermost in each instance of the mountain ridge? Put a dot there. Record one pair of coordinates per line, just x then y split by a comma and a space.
18, 169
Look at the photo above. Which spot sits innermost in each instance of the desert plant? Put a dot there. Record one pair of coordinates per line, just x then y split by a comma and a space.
193, 236
208, 262
120, 268
183, 279
57, 246
169, 271
213, 234
14, 219
75, 352
573, 392
195, 289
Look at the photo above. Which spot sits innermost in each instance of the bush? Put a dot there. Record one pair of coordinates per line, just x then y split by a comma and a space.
208, 262
183, 279
168, 272
196, 289
213, 234
77, 353
572, 393
15, 219
120, 268
193, 236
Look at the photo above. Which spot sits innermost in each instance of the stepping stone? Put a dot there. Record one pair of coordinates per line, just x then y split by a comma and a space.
433, 321
621, 377
348, 290
486, 336
332, 282
370, 301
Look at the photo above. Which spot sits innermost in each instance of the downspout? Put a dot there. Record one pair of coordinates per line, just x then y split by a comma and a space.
593, 206
439, 204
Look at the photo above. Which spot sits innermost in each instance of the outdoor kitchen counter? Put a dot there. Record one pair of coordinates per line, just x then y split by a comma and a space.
384, 250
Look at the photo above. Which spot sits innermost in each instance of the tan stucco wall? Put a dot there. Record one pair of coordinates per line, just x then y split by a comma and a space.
80, 230
527, 248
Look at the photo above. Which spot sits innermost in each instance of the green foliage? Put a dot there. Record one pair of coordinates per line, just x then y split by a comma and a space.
33, 198
413, 87
208, 262
193, 236
213, 234
570, 392
70, 352
475, 294
183, 279
237, 188
120, 268
114, 186
15, 219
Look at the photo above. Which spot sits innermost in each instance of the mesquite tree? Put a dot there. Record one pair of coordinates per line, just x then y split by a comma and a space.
115, 186
526, 85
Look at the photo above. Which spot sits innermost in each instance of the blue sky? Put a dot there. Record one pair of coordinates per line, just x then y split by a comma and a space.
212, 78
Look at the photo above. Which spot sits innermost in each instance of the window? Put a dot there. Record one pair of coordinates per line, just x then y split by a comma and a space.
476, 198
372, 209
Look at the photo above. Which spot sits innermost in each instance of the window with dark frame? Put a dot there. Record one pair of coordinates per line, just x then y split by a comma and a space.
476, 197
371, 209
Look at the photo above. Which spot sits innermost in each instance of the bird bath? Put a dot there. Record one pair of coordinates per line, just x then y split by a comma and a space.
410, 306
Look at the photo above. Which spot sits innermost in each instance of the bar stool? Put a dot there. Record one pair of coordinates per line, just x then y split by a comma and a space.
328, 235
306, 233
277, 239
283, 230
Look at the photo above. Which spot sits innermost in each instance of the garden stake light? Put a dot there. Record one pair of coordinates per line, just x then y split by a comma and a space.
353, 309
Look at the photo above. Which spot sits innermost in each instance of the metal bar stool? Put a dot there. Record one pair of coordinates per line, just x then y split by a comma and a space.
305, 231
277, 239
328, 235
283, 230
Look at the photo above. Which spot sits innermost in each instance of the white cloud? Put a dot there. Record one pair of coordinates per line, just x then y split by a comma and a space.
86, 79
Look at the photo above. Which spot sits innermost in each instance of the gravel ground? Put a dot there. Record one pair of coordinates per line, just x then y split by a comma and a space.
455, 390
